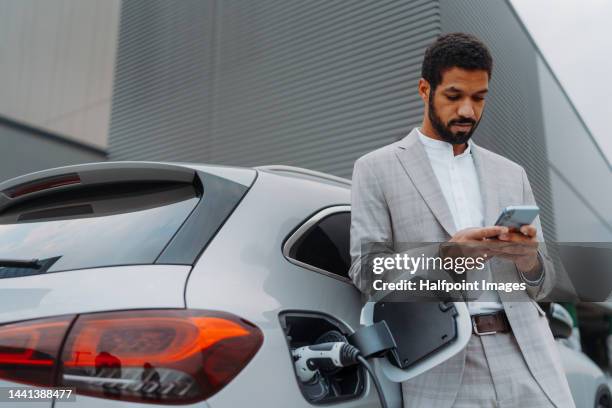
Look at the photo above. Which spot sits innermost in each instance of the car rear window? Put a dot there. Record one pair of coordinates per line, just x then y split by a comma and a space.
121, 224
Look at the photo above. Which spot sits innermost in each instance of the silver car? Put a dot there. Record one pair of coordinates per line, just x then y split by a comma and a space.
136, 283
162, 284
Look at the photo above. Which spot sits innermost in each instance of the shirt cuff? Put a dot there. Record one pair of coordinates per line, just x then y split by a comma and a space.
536, 282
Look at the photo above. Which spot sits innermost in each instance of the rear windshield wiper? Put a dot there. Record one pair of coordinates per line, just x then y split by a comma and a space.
20, 263
16, 268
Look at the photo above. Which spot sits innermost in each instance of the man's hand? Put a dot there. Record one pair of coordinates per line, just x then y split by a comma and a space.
472, 242
521, 247
478, 234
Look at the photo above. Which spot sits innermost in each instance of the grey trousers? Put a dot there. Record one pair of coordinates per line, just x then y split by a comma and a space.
496, 375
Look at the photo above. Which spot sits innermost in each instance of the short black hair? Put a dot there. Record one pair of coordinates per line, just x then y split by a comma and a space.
455, 50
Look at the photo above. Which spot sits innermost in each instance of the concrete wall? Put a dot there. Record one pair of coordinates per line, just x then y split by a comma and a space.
581, 175
56, 65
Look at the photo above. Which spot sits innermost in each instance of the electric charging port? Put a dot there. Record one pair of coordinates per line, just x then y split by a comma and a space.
328, 386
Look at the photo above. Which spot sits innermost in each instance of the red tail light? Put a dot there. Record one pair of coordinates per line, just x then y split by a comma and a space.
43, 184
29, 350
157, 356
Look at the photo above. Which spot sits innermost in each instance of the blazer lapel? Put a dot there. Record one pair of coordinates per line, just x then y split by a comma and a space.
488, 185
415, 162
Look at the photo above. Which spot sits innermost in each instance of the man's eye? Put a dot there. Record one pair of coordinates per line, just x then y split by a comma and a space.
453, 97
479, 98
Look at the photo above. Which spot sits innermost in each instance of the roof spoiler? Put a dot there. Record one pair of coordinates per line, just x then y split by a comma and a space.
301, 172
65, 178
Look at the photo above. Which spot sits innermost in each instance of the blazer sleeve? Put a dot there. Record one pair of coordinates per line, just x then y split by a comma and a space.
547, 282
372, 236
370, 222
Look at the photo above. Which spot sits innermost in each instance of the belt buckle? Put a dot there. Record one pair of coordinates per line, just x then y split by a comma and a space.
475, 326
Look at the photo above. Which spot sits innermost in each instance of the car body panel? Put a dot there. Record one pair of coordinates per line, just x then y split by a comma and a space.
245, 261
583, 375
92, 290
240, 175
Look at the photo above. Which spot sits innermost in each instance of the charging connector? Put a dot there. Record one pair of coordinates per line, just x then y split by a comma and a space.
311, 361
326, 357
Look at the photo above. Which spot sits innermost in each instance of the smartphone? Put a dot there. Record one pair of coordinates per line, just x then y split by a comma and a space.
515, 216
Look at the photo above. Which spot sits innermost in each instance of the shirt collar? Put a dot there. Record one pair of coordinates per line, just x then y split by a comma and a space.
440, 145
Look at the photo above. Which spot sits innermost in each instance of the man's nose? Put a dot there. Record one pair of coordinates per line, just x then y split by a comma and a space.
466, 110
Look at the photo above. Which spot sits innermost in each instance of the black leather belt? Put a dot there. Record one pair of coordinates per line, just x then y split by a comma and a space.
490, 323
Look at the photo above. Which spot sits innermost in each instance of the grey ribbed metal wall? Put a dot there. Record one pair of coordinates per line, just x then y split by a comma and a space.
162, 95
512, 124
314, 84
305, 83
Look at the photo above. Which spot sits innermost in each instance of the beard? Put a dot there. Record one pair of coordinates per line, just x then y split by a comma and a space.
444, 131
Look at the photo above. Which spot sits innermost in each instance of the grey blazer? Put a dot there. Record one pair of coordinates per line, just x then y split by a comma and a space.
396, 198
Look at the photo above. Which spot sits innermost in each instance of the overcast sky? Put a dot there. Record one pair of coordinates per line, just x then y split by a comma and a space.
575, 37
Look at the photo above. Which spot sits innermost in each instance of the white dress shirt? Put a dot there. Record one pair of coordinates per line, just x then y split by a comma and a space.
459, 183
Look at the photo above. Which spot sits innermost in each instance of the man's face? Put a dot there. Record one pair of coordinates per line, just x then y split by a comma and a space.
456, 105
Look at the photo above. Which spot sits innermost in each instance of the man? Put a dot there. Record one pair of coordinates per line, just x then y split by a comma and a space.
437, 186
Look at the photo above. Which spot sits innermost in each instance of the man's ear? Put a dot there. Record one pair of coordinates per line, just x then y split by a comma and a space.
424, 90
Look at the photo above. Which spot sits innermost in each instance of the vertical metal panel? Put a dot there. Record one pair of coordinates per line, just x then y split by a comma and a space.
512, 122
317, 84
163, 81
312, 84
